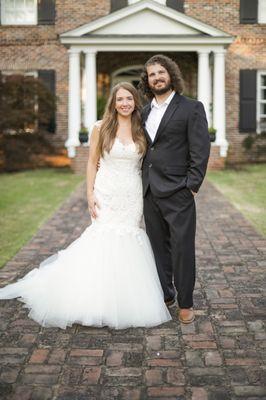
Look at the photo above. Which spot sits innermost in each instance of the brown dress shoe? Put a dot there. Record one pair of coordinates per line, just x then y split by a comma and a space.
186, 315
170, 302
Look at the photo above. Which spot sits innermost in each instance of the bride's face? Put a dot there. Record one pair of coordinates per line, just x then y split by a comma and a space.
124, 102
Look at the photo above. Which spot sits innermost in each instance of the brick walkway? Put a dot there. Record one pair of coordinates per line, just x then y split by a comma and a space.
218, 357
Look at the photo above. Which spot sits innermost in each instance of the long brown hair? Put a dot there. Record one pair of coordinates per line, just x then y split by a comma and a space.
109, 123
173, 70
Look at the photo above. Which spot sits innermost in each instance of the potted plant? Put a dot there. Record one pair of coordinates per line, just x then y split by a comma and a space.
83, 134
212, 133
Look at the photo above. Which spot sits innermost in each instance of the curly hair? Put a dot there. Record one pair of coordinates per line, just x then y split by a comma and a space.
173, 70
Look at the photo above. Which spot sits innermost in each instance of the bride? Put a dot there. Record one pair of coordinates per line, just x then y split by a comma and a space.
108, 276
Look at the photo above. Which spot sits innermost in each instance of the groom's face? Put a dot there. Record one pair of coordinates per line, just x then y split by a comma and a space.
158, 78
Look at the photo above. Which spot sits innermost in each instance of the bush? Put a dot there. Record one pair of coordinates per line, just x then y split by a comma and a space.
24, 151
101, 103
248, 142
26, 104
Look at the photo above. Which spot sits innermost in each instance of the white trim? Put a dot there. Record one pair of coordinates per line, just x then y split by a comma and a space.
139, 6
129, 78
90, 109
204, 81
163, 2
219, 114
148, 43
9, 72
259, 100
74, 102
125, 69
262, 12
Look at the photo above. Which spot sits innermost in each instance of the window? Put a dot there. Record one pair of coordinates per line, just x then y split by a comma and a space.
261, 101
262, 12
19, 12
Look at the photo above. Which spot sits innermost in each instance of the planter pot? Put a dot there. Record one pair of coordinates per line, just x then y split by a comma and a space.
212, 137
83, 138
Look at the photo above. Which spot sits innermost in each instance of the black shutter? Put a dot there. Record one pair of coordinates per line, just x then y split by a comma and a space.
117, 4
248, 99
177, 5
46, 12
47, 77
248, 11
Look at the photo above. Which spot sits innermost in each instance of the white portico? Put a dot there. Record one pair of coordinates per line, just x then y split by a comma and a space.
146, 26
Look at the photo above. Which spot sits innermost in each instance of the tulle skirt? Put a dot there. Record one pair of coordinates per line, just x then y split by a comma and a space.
106, 277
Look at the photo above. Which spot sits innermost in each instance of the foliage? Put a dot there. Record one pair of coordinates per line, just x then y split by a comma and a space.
248, 142
255, 147
25, 100
24, 151
212, 130
212, 133
83, 130
101, 103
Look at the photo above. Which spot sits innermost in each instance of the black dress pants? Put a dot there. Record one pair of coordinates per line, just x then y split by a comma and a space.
171, 227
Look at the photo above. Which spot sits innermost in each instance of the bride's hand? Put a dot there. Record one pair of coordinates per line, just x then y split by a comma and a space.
92, 204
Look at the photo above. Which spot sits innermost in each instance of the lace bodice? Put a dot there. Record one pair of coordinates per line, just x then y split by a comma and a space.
118, 188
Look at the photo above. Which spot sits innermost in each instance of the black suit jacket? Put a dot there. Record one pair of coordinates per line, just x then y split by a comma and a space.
179, 154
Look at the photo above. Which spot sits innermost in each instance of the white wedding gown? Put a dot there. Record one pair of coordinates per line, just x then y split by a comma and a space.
108, 276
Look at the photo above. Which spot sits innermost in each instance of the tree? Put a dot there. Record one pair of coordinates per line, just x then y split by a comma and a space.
26, 104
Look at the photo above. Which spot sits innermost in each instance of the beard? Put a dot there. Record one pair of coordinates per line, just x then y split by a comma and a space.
162, 90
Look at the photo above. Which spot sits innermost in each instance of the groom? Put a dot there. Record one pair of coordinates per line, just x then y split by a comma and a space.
173, 170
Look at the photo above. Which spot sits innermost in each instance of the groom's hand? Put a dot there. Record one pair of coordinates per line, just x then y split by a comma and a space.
194, 193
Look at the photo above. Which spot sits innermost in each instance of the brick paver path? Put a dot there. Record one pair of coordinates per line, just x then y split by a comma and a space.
219, 356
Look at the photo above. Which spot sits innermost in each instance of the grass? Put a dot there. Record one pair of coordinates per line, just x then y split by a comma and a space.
27, 200
246, 189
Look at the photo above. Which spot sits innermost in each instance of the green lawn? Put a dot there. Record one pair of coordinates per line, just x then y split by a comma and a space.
246, 189
27, 200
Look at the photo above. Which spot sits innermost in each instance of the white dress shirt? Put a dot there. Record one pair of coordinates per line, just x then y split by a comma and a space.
156, 115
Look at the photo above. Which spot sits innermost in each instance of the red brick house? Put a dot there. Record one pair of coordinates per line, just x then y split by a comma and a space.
80, 49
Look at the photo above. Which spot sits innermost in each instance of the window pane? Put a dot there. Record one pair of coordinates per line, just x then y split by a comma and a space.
19, 12
9, 4
19, 4
263, 108
262, 125
29, 16
263, 94
263, 80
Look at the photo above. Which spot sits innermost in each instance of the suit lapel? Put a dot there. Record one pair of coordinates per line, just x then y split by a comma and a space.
174, 103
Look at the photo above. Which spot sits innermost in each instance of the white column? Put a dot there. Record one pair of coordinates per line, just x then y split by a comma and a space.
74, 106
204, 81
90, 111
210, 95
219, 101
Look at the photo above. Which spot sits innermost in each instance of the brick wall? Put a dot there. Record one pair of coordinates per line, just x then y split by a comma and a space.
79, 163
247, 51
38, 47
216, 162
